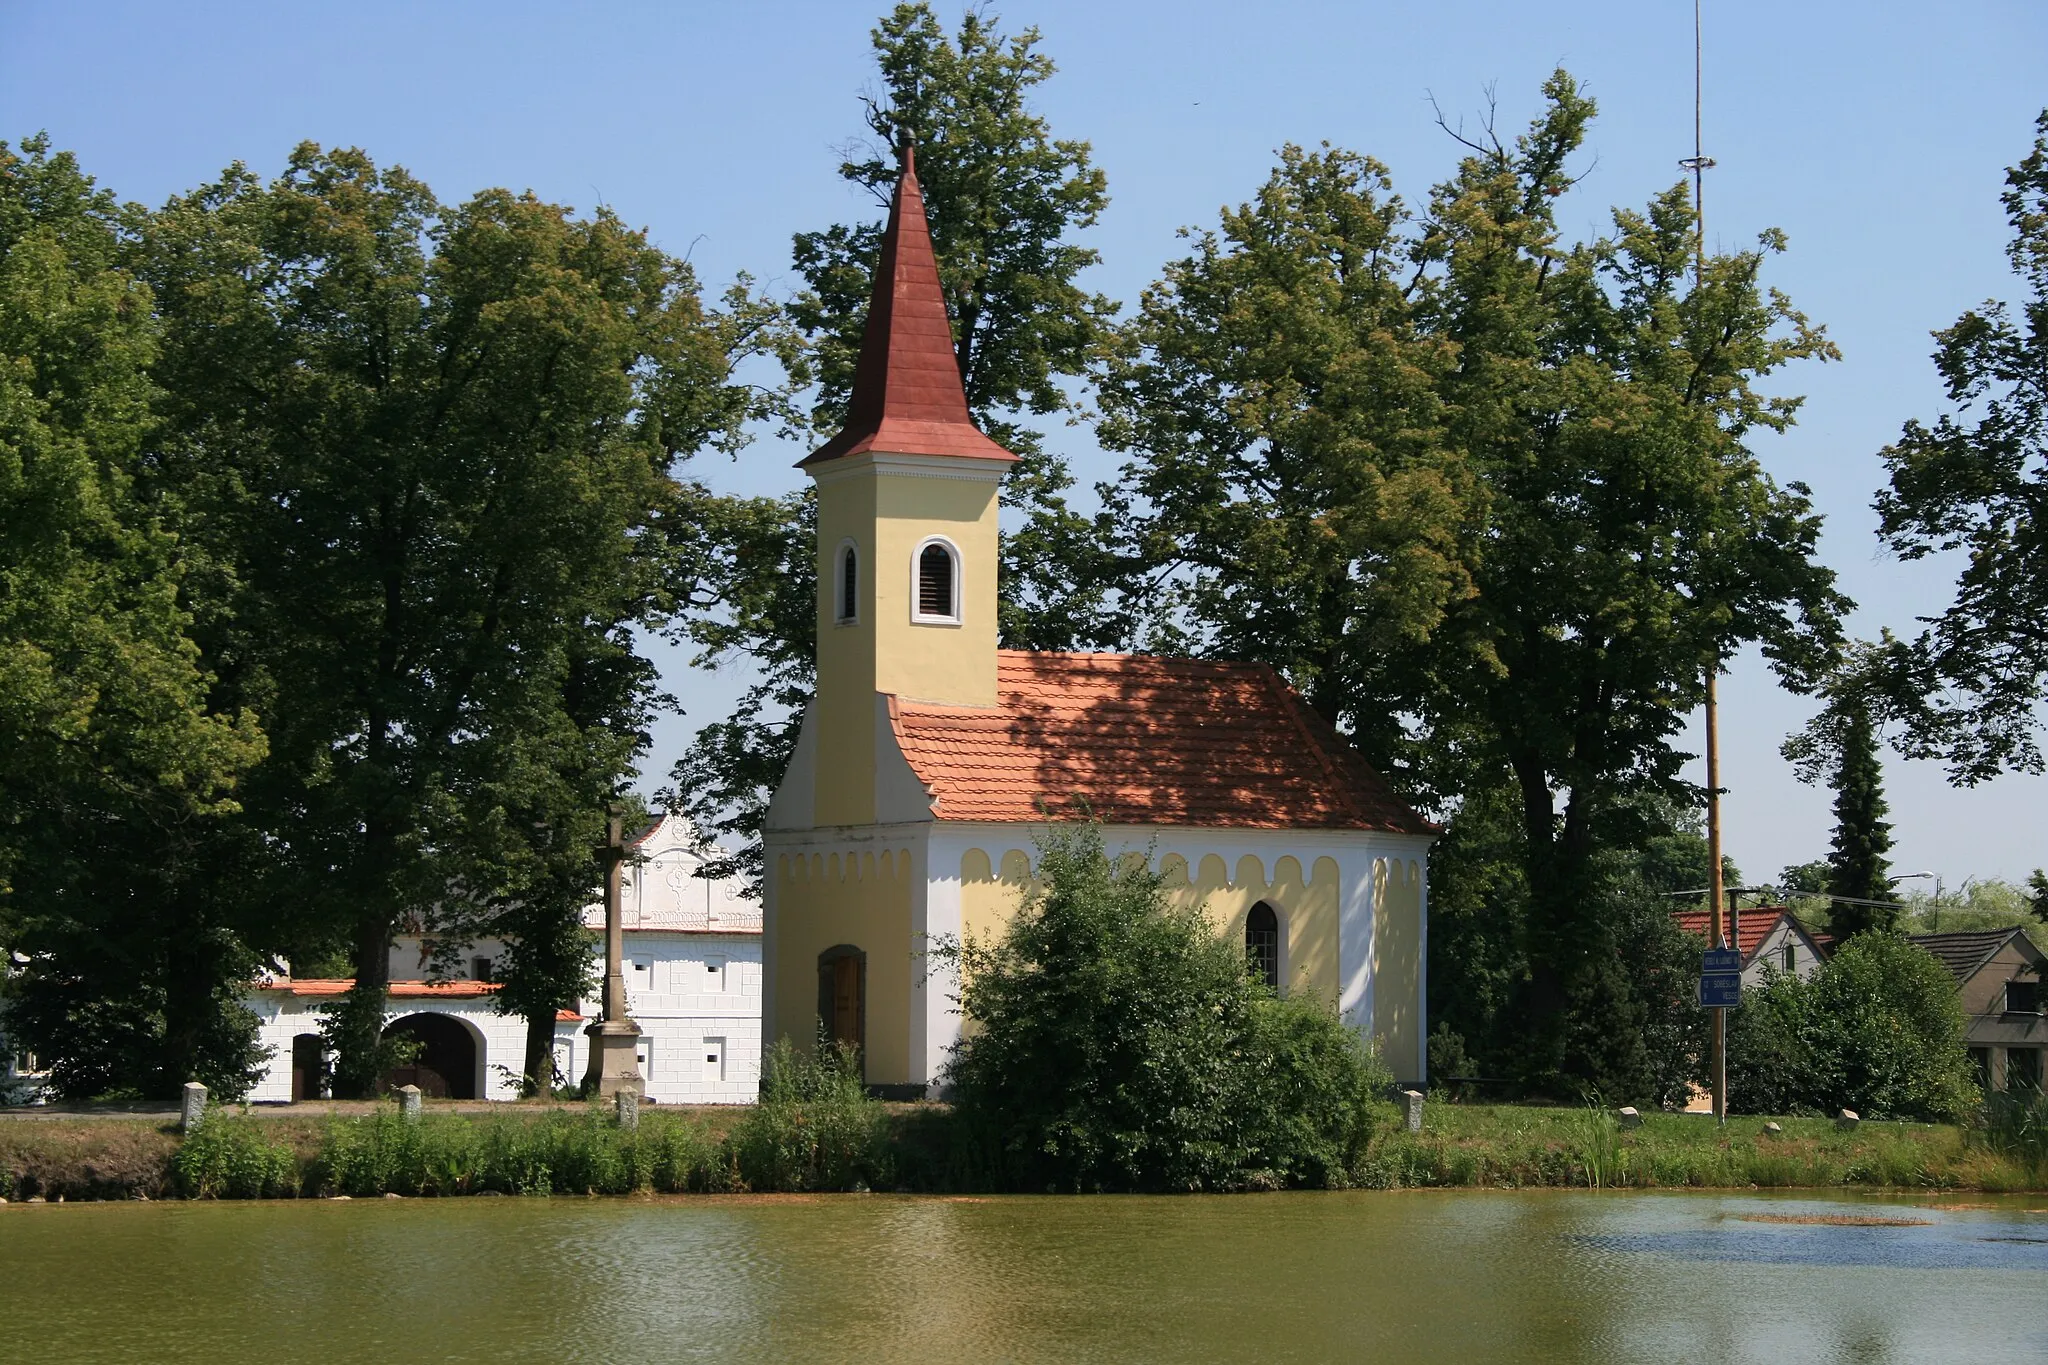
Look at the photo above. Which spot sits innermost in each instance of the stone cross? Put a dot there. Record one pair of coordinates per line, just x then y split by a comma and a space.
191, 1106
615, 1038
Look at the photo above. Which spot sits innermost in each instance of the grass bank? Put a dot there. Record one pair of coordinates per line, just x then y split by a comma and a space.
837, 1144
1518, 1146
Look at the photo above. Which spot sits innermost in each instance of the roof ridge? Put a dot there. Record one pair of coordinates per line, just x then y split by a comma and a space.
1295, 706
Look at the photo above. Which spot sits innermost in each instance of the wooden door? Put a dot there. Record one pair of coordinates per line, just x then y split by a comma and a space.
846, 1000
308, 1062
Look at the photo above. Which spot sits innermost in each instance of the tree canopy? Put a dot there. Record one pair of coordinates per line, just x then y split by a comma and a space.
119, 763
429, 452
1488, 497
1005, 199
1969, 688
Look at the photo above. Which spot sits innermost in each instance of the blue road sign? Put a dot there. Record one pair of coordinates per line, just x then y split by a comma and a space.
1716, 961
1720, 990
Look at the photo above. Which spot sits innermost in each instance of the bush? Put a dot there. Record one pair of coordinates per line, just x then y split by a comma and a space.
1878, 1029
229, 1157
1116, 1043
557, 1153
815, 1127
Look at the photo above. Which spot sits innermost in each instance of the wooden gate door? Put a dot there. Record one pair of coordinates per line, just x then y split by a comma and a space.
846, 1000
308, 1062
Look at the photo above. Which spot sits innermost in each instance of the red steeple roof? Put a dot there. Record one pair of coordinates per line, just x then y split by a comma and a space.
907, 395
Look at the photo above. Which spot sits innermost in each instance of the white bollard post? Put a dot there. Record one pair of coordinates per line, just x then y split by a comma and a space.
409, 1103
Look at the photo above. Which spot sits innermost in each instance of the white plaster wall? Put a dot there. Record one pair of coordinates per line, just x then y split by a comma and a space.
1771, 954
501, 1039
678, 1005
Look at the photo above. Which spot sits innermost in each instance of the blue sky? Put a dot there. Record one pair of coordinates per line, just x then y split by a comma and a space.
1876, 134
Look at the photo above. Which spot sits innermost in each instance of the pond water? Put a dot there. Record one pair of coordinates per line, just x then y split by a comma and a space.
1465, 1276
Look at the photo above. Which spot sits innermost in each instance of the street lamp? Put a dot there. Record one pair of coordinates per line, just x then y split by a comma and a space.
1935, 914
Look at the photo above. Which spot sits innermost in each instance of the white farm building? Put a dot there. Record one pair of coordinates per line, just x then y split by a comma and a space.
693, 984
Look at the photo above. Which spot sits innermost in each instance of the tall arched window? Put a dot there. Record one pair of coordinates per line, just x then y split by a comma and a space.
849, 584
1262, 944
937, 586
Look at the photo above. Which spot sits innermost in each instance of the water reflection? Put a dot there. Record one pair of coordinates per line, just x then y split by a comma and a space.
1422, 1277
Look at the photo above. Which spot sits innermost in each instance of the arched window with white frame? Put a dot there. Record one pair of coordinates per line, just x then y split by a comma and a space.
935, 583
1262, 945
846, 585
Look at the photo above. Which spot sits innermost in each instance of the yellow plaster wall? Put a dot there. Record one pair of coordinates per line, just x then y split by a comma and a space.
862, 898
954, 664
1397, 963
887, 517
991, 890
844, 792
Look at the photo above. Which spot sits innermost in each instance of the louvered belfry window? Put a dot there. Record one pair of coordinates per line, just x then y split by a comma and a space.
935, 582
849, 584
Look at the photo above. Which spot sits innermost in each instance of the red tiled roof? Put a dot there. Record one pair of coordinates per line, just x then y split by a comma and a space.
1143, 740
401, 990
907, 396
1758, 923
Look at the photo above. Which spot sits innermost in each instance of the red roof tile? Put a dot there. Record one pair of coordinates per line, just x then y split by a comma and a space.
403, 990
1758, 923
446, 990
907, 396
1143, 740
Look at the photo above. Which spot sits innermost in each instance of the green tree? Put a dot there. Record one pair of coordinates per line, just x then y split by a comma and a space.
1809, 879
1005, 199
1118, 1043
1856, 864
118, 768
1878, 1029
1283, 397
1589, 525
432, 452
1969, 688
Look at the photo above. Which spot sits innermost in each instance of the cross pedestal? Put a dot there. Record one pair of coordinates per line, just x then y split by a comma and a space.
614, 1058
614, 1039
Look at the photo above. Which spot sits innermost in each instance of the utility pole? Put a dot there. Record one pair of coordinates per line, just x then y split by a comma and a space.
614, 1038
1698, 163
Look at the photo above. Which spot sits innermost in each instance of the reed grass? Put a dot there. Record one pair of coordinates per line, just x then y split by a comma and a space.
1514, 1147
819, 1133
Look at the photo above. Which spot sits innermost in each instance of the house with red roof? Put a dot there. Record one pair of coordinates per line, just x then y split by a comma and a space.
692, 965
929, 756
1771, 938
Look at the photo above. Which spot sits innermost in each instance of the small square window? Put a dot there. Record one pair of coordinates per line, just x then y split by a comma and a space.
714, 973
714, 1059
643, 1053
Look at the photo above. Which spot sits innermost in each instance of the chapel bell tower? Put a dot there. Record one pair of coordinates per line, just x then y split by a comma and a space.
906, 525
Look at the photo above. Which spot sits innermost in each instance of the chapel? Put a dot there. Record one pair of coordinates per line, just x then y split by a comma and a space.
930, 756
